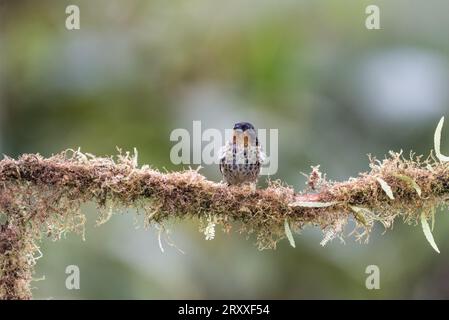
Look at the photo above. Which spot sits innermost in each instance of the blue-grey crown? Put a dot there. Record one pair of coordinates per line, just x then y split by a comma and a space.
243, 126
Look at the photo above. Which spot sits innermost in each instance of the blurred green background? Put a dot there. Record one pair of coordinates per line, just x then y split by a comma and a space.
136, 70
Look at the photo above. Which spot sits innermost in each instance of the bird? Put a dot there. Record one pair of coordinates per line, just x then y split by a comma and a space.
241, 158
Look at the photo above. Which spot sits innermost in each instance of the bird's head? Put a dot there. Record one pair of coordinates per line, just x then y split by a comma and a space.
244, 134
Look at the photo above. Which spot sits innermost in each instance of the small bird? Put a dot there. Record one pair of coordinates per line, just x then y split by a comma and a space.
242, 157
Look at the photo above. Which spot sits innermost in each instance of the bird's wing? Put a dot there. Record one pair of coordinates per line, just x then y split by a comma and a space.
262, 156
222, 152
222, 155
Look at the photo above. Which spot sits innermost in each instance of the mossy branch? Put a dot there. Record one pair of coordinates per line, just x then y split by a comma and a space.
42, 197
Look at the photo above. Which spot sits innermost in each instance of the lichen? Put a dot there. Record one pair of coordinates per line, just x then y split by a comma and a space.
43, 197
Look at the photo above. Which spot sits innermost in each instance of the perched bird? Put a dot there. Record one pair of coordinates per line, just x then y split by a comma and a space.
242, 157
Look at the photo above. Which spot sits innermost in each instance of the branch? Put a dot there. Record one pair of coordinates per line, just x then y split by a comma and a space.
42, 196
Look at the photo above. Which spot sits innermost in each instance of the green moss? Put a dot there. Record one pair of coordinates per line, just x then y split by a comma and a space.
43, 196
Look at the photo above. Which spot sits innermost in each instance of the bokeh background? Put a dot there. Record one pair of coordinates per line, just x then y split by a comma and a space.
136, 70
